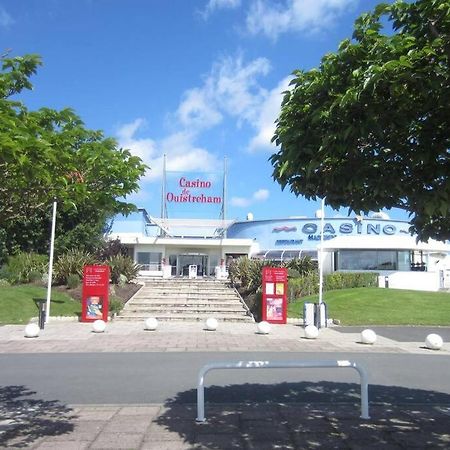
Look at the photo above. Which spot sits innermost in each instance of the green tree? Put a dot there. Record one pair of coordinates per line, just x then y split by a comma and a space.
370, 127
48, 154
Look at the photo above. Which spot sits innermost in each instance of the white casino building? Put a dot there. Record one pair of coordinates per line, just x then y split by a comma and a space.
173, 247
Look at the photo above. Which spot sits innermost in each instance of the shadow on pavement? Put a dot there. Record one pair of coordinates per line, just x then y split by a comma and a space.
309, 415
24, 420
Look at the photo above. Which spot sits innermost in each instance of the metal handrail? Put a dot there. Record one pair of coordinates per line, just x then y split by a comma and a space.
281, 365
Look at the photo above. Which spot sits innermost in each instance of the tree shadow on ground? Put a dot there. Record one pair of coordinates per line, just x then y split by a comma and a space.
23, 420
308, 415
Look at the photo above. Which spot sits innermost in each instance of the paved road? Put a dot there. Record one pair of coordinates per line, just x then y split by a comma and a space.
142, 378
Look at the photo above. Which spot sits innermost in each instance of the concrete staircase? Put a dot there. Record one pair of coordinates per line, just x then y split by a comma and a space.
186, 300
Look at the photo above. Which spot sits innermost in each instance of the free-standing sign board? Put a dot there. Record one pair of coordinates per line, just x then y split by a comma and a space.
94, 304
274, 294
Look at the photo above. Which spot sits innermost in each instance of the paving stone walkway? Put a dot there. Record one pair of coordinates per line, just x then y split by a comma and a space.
65, 336
228, 426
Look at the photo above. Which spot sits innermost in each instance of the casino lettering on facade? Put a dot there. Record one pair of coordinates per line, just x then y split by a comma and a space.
184, 183
187, 196
349, 228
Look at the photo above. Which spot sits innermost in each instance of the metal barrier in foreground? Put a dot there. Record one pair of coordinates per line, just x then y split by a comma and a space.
281, 365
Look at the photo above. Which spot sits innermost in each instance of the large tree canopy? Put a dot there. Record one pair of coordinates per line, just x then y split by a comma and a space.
48, 154
370, 128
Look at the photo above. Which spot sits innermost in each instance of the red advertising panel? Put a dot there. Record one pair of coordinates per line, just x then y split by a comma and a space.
274, 294
95, 293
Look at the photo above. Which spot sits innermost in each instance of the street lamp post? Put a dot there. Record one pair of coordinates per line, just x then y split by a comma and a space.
319, 306
50, 264
321, 252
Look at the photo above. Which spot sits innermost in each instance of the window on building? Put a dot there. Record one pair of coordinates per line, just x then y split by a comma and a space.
149, 260
367, 260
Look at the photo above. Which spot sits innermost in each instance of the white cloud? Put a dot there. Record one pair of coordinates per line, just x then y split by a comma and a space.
269, 112
260, 195
265, 17
214, 5
184, 155
230, 88
237, 90
180, 149
240, 202
145, 148
197, 111
5, 19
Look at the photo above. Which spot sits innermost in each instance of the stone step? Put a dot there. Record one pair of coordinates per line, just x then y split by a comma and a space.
192, 304
186, 286
147, 291
181, 281
183, 309
184, 317
184, 299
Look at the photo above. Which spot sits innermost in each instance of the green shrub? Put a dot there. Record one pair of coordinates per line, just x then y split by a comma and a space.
307, 284
122, 265
115, 305
122, 280
73, 281
35, 276
345, 280
301, 265
111, 248
4, 283
292, 273
24, 267
246, 274
71, 263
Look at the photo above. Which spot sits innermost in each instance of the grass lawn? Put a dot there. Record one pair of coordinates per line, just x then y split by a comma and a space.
375, 306
17, 305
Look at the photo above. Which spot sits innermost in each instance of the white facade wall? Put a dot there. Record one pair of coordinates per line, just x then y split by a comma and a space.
415, 281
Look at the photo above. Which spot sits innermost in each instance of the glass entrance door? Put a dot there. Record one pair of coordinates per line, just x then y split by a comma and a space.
184, 261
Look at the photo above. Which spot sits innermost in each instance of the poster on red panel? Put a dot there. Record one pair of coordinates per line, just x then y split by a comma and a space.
274, 294
94, 304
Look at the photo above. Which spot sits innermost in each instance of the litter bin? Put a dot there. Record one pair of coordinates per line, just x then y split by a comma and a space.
308, 314
320, 315
42, 307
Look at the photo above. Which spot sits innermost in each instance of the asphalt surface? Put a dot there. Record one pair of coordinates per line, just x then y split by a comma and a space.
142, 378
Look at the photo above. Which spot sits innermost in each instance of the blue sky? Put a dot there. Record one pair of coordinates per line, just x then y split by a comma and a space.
197, 80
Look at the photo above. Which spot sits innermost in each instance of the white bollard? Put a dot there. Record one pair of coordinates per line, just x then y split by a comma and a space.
32, 330
211, 324
434, 342
311, 332
263, 327
151, 324
99, 326
368, 337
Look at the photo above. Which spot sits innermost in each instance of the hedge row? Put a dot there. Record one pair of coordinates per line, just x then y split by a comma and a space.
309, 284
